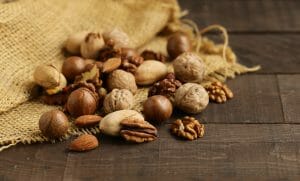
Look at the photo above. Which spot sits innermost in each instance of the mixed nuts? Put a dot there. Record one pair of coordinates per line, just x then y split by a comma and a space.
102, 76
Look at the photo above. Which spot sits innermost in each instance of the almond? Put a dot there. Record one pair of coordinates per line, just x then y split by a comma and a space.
84, 143
87, 120
111, 65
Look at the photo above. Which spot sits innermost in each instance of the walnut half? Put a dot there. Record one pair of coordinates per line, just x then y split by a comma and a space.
138, 131
188, 128
219, 92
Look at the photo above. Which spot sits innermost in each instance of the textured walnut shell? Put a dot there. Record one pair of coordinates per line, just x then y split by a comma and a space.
149, 72
47, 76
54, 124
74, 41
73, 66
118, 99
120, 79
82, 102
119, 37
191, 98
110, 124
188, 67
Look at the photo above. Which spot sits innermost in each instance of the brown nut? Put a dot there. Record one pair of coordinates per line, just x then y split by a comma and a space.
72, 67
157, 109
118, 99
82, 102
91, 45
119, 37
84, 142
178, 43
87, 120
120, 79
54, 124
111, 64
47, 76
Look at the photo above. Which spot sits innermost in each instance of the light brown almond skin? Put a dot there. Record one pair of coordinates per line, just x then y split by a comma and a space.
87, 121
111, 65
83, 143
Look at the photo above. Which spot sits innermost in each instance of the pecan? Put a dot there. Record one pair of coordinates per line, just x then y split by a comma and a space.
219, 92
138, 131
131, 63
151, 55
188, 128
165, 87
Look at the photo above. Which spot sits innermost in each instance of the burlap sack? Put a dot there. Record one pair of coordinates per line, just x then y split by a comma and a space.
33, 32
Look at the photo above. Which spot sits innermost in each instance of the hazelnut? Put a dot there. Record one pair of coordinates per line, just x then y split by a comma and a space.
178, 43
91, 45
191, 98
74, 41
118, 99
157, 109
110, 124
72, 67
119, 37
54, 124
189, 67
120, 79
82, 102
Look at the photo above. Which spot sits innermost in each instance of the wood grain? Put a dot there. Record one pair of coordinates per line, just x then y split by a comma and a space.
290, 97
246, 16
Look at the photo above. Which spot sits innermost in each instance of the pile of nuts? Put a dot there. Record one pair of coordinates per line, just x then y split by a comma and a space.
98, 81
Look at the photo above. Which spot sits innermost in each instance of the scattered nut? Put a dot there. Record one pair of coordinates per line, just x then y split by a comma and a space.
74, 41
119, 37
149, 72
54, 124
91, 45
151, 55
130, 64
91, 76
191, 98
157, 109
219, 92
72, 67
82, 102
110, 124
188, 128
178, 43
111, 64
84, 142
118, 99
188, 67
87, 121
47, 76
120, 79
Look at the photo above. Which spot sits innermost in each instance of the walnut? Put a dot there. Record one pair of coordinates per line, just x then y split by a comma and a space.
191, 98
137, 130
188, 128
118, 99
188, 67
130, 64
120, 79
151, 55
219, 92
165, 87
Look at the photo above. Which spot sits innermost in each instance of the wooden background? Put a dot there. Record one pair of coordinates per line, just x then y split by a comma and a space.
255, 135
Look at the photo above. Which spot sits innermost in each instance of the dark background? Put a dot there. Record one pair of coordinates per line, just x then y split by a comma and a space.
255, 135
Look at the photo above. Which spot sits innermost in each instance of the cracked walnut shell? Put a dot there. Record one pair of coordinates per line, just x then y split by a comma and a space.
219, 92
188, 128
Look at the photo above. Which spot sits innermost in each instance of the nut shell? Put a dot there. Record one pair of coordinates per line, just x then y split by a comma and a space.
157, 109
120, 79
73, 66
189, 67
118, 99
191, 98
74, 41
82, 102
91, 45
178, 43
47, 76
54, 124
119, 37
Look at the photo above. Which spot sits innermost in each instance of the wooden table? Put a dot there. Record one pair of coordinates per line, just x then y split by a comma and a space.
255, 135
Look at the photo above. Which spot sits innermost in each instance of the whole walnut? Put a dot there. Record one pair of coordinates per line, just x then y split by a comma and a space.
191, 98
118, 99
188, 67
120, 79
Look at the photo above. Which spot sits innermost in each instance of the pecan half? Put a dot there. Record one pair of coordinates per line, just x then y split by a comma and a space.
219, 92
188, 128
138, 131
131, 63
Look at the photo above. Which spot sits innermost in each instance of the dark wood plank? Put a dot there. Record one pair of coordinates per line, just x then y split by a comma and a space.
246, 16
256, 100
275, 53
290, 96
